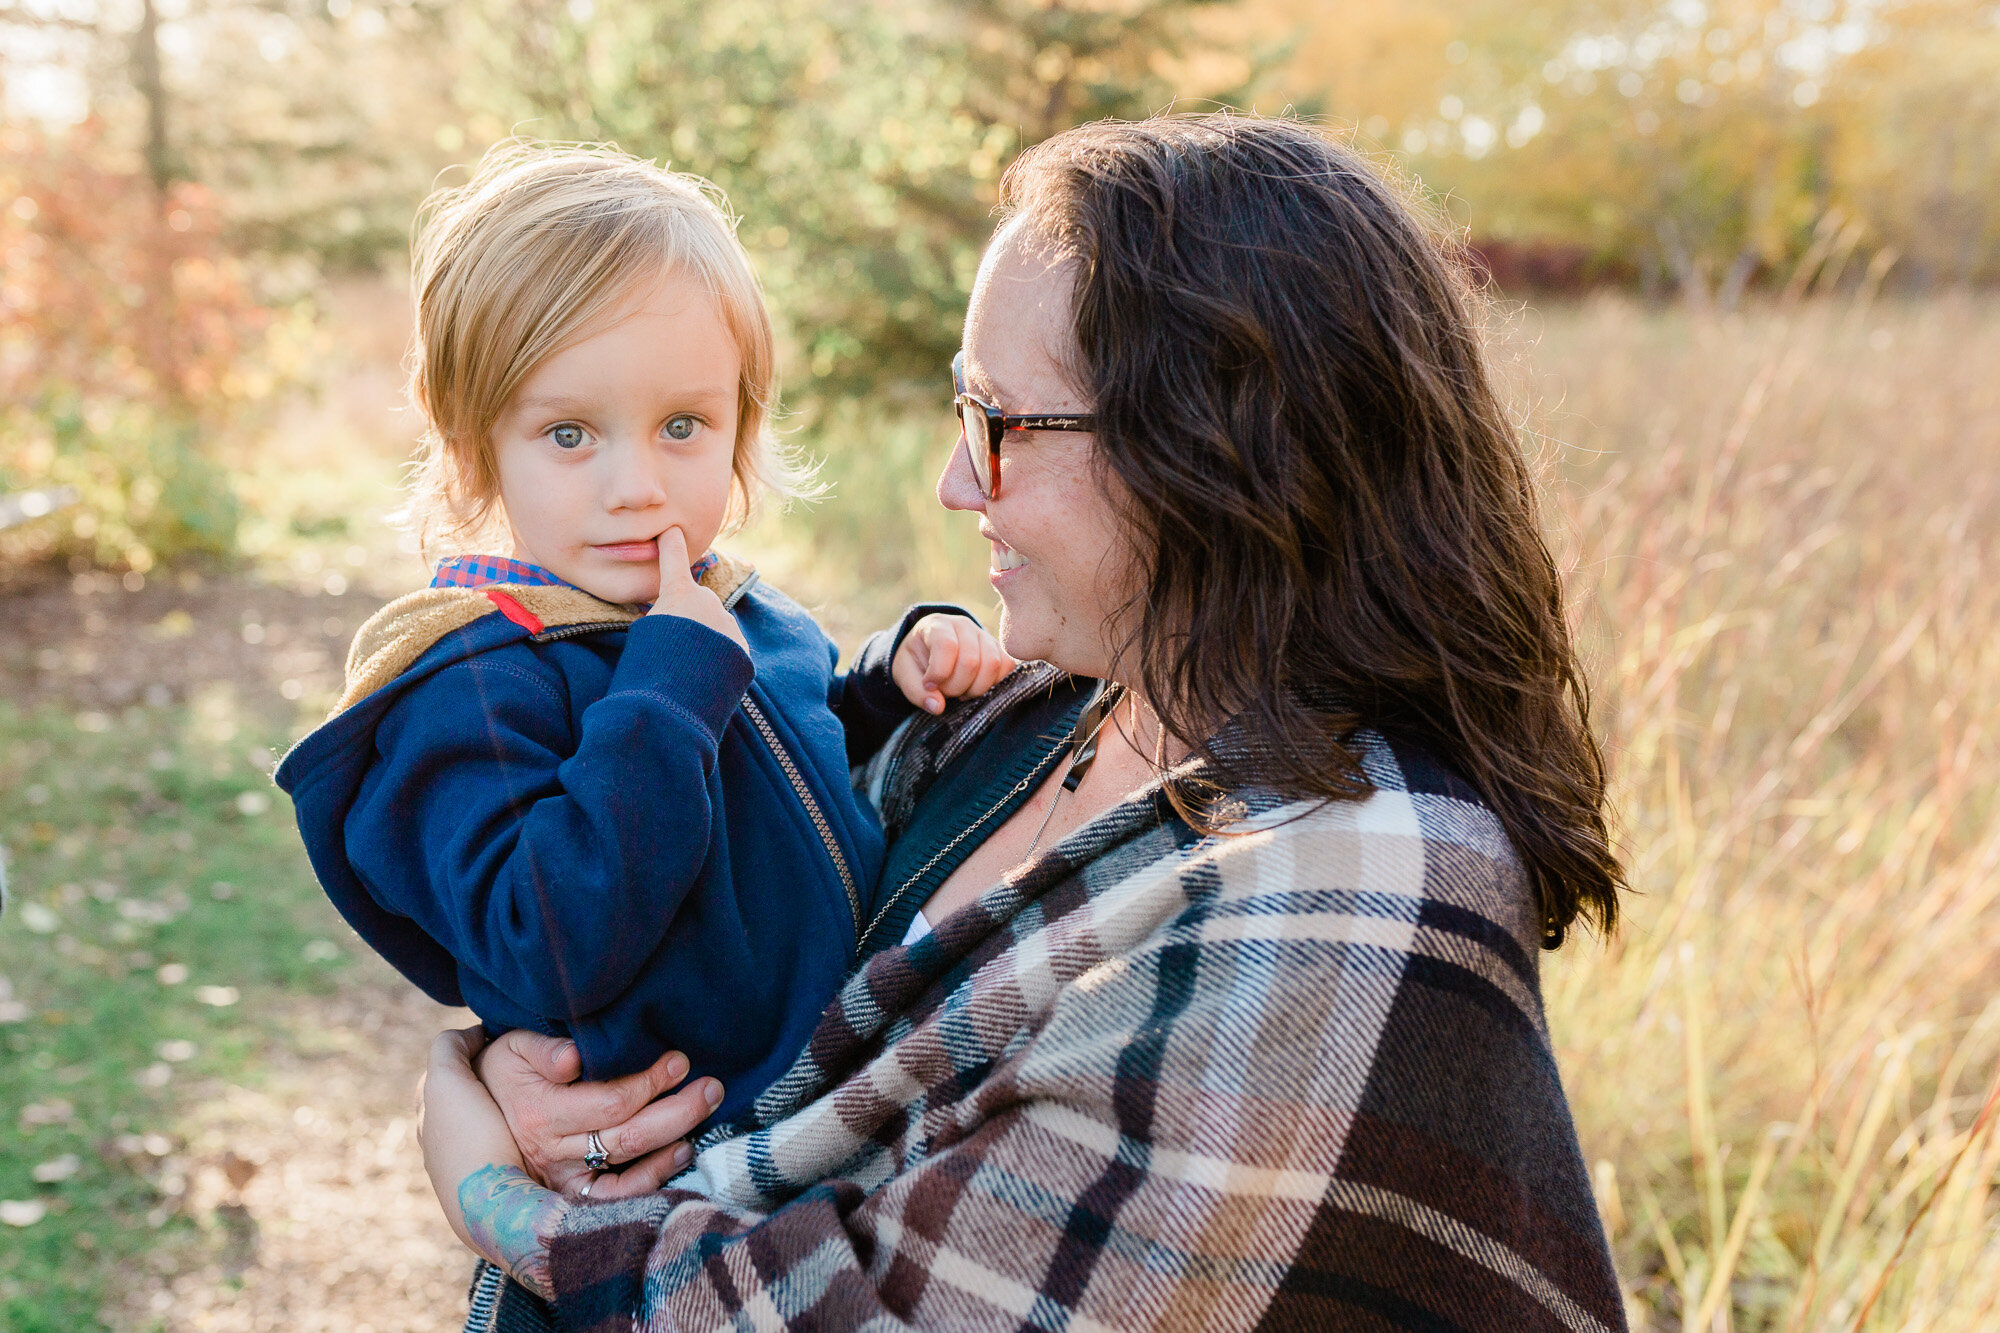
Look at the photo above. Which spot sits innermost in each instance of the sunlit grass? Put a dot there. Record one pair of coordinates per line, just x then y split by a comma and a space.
1783, 1067
1781, 529
160, 901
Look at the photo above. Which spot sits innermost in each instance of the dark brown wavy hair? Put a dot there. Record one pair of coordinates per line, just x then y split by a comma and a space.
1340, 527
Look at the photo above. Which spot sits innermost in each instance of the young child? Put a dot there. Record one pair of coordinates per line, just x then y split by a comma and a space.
538, 796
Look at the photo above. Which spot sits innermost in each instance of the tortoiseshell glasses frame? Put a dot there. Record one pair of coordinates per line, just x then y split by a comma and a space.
981, 426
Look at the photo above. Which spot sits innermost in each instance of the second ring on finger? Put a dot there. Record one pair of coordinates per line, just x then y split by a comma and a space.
571, 1154
595, 1157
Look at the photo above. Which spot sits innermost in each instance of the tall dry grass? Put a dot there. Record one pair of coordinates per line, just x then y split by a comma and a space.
1781, 532
1781, 529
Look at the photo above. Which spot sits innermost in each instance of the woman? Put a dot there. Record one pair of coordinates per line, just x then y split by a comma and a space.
1201, 986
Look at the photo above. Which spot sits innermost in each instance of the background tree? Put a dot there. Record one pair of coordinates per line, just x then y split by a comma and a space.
1701, 147
1703, 141
861, 144
167, 167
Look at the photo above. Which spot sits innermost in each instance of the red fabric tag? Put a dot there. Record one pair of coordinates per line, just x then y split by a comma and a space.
515, 612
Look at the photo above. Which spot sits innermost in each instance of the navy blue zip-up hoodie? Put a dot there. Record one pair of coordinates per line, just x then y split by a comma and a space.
621, 830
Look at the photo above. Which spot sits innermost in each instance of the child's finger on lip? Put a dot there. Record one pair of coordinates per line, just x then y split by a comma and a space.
673, 553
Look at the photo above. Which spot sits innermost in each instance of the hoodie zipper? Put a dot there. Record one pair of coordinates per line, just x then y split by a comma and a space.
777, 748
574, 631
813, 812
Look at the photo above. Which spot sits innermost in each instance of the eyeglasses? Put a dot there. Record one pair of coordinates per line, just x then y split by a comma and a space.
980, 426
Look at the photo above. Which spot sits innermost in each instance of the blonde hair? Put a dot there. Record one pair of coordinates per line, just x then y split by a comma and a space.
518, 263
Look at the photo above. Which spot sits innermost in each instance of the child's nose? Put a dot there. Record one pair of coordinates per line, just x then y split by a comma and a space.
635, 481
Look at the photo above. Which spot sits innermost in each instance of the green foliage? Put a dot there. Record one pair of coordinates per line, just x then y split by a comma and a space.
1709, 142
159, 898
146, 487
862, 145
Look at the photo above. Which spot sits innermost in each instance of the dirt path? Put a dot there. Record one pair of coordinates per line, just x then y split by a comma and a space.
335, 1227
90, 640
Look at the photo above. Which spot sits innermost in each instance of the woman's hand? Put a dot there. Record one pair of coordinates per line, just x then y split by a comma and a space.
533, 1080
474, 1168
947, 657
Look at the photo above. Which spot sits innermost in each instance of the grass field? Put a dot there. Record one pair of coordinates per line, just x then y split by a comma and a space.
1783, 1068
1780, 529
161, 903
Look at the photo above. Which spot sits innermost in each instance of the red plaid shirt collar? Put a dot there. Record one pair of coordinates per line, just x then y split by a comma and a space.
473, 571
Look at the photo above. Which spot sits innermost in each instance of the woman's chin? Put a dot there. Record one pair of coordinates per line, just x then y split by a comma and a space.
1032, 630
1028, 638
1020, 646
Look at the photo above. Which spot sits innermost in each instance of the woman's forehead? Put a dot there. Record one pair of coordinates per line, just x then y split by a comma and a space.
1019, 326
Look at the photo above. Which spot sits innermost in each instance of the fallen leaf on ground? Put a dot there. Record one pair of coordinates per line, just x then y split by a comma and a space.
55, 1112
239, 1171
22, 1212
58, 1169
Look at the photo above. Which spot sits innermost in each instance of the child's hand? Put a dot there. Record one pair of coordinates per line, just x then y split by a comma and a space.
947, 657
680, 595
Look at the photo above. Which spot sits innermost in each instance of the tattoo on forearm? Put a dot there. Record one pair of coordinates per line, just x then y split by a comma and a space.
512, 1220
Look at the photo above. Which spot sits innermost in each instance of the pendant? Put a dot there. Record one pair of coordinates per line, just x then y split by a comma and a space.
1083, 736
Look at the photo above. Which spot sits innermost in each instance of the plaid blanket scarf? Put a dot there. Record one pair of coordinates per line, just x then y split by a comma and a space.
1294, 1076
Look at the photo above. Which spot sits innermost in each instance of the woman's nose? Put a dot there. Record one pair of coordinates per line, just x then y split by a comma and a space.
956, 487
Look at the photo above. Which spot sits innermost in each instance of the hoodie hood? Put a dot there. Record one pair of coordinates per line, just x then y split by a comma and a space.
403, 631
405, 642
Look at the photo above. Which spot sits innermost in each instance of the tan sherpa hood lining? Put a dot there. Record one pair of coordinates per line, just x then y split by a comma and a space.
407, 628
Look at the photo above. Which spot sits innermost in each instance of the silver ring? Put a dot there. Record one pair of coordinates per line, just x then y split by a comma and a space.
584, 1193
596, 1158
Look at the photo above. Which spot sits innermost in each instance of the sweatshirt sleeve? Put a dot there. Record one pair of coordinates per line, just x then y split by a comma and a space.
866, 698
552, 864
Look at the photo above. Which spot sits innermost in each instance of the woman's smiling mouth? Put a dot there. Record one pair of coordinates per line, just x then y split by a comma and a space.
1004, 557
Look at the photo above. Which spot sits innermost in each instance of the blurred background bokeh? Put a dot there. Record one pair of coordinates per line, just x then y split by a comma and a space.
1745, 261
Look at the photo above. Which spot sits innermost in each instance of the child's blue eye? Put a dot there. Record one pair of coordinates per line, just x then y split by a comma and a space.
682, 427
567, 437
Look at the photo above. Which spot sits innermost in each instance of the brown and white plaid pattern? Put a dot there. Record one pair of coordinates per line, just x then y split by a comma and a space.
1291, 1077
